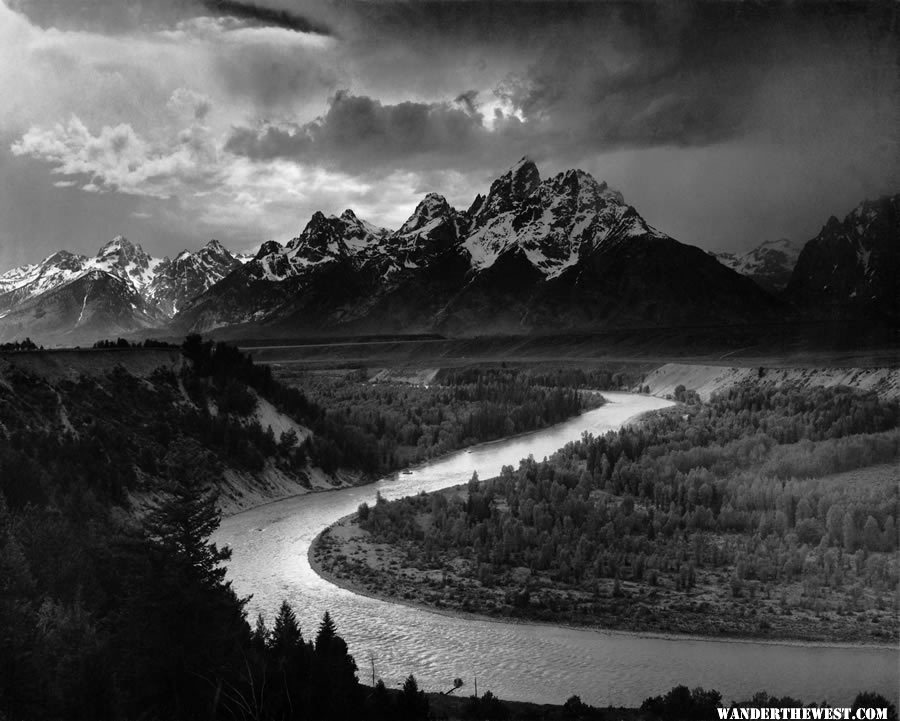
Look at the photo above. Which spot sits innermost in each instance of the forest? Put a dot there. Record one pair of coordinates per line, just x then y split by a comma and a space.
728, 517
384, 426
115, 607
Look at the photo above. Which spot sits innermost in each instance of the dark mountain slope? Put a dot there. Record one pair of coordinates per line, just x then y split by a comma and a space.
852, 267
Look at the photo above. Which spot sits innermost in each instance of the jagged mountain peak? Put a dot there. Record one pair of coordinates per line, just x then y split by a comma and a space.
215, 246
127, 260
333, 236
520, 181
61, 256
431, 208
585, 186
554, 222
429, 234
524, 171
122, 251
780, 243
178, 281
852, 265
268, 248
322, 234
212, 252
507, 192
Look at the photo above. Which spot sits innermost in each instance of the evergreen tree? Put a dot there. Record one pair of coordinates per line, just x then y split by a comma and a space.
412, 704
183, 630
336, 690
327, 633
286, 636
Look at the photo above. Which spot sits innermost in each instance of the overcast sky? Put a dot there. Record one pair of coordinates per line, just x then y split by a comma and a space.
175, 121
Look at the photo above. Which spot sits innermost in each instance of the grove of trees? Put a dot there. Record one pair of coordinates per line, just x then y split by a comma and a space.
733, 492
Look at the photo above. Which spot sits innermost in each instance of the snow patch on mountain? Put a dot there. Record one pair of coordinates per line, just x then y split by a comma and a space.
163, 283
769, 264
555, 222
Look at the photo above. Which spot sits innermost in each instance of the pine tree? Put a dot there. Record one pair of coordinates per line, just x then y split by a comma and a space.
336, 689
261, 636
286, 635
182, 633
412, 704
327, 633
381, 702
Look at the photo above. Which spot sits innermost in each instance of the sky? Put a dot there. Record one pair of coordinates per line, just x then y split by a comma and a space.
175, 121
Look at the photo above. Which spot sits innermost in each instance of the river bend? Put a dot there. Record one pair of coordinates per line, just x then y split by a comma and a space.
518, 661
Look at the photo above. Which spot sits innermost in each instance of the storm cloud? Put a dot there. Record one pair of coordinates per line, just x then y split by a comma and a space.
585, 78
129, 15
723, 123
360, 132
267, 15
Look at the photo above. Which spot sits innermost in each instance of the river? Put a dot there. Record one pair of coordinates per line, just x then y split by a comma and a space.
517, 661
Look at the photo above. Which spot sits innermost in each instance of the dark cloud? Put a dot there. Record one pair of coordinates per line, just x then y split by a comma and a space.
361, 132
468, 100
267, 16
700, 73
597, 77
124, 15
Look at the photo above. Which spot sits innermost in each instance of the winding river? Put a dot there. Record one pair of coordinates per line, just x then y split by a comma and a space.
518, 661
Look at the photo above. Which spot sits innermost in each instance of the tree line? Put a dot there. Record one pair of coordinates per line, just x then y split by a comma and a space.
734, 486
20, 345
382, 427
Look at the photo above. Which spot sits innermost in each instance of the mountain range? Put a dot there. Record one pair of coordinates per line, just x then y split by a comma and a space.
566, 253
71, 297
530, 255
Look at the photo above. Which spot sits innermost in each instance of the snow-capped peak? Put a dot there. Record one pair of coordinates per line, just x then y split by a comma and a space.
128, 261
507, 192
270, 247
585, 188
178, 281
332, 237
164, 284
431, 210
214, 246
122, 251
554, 222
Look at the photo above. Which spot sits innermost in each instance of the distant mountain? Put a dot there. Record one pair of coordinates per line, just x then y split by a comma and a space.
93, 305
77, 298
279, 273
529, 255
185, 277
769, 265
852, 267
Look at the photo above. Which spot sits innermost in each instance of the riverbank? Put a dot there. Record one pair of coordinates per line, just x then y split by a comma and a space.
344, 555
239, 492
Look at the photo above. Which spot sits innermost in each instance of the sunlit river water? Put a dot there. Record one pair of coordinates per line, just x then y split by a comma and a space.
518, 661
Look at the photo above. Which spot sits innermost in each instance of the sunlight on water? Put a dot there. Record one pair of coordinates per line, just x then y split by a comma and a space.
516, 661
